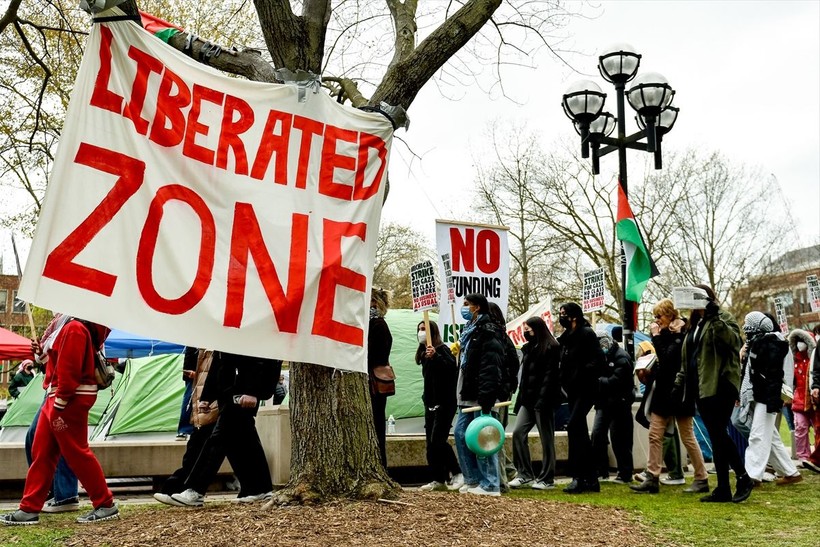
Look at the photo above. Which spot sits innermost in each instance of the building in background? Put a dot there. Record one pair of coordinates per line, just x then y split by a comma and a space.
784, 277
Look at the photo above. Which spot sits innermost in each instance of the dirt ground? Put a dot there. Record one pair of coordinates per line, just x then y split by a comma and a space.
422, 519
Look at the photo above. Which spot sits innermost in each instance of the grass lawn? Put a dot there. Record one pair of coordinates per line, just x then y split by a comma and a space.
773, 516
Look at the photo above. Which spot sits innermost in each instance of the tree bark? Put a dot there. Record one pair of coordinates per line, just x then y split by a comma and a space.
334, 451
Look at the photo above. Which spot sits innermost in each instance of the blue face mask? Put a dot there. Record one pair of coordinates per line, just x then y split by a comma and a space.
466, 313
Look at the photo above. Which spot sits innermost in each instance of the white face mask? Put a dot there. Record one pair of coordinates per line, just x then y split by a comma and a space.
801, 346
422, 337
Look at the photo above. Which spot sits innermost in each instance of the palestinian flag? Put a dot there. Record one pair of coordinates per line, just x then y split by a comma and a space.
639, 265
159, 28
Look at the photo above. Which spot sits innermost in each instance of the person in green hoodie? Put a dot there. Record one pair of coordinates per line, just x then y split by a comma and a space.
711, 351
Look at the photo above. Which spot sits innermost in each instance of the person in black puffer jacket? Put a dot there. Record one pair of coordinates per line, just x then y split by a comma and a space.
582, 363
440, 372
765, 350
480, 360
613, 411
539, 394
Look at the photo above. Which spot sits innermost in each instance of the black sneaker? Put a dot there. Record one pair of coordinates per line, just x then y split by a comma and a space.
574, 487
20, 518
743, 489
718, 496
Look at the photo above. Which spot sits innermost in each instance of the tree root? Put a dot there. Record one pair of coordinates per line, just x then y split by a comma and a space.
303, 493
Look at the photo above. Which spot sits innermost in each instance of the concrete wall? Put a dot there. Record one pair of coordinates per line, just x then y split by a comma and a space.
148, 459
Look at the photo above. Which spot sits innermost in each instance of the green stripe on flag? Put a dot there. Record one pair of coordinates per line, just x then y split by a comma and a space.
638, 263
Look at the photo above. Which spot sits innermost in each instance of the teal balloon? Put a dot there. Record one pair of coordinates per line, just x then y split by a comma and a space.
484, 435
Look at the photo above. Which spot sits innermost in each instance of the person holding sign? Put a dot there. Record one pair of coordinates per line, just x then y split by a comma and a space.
711, 352
479, 383
440, 373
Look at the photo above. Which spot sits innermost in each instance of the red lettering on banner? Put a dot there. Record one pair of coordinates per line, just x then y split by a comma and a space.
169, 108
272, 142
148, 243
331, 161
246, 240
60, 264
190, 148
146, 64
369, 142
102, 97
308, 128
463, 250
482, 249
488, 251
230, 131
334, 275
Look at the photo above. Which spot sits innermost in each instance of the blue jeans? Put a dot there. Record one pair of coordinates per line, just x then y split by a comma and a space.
65, 485
481, 470
185, 426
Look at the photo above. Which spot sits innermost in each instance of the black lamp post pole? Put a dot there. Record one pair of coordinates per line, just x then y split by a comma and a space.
628, 306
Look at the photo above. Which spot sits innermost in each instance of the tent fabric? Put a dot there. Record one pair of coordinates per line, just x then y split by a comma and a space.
147, 400
22, 411
406, 403
120, 344
14, 346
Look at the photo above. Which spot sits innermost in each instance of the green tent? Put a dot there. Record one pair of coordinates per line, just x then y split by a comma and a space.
21, 413
147, 400
406, 403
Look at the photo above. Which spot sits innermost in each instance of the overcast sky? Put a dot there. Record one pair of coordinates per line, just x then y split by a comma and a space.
747, 77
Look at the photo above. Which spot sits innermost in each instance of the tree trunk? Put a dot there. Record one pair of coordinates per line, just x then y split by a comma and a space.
334, 451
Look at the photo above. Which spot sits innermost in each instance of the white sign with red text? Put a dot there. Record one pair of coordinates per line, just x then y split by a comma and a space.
423, 286
480, 263
515, 327
594, 291
814, 292
210, 211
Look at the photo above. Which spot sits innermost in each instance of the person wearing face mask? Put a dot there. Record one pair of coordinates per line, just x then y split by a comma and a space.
806, 414
440, 373
582, 363
539, 394
480, 361
379, 344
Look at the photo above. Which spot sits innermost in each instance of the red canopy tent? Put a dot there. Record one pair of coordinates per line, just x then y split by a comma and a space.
13, 346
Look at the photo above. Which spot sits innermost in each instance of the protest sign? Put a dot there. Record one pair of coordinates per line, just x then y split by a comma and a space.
423, 286
515, 327
780, 313
594, 290
814, 292
689, 298
210, 211
448, 276
480, 257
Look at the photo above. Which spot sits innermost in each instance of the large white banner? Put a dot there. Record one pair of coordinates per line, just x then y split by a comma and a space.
515, 327
211, 211
480, 263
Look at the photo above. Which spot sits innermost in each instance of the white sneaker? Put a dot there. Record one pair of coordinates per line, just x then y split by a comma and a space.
768, 477
672, 482
518, 482
164, 498
434, 485
541, 485
465, 487
478, 491
250, 499
456, 482
640, 477
189, 498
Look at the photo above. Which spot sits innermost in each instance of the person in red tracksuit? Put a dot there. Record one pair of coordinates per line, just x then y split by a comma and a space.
63, 425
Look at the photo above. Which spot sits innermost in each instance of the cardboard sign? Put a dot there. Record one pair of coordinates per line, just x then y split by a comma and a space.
448, 276
480, 257
210, 211
780, 313
814, 292
423, 286
689, 298
594, 290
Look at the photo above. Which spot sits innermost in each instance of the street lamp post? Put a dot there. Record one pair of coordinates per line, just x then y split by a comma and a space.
650, 96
